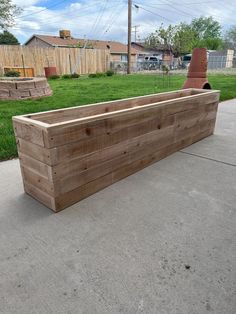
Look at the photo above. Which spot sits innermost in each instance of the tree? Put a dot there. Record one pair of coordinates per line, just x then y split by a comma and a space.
207, 32
230, 38
7, 38
210, 43
180, 38
206, 27
162, 36
8, 11
184, 40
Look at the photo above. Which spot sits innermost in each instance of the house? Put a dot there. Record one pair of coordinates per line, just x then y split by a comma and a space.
118, 51
161, 51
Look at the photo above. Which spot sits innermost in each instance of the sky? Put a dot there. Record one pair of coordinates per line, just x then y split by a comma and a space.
107, 19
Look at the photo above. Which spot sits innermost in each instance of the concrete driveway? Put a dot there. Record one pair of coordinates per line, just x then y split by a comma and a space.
161, 241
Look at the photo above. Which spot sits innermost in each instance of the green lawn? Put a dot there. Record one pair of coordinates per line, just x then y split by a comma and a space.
83, 91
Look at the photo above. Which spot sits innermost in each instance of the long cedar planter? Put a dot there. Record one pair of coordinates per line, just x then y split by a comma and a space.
69, 154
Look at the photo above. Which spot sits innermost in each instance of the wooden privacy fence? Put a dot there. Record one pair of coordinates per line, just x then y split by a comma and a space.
66, 60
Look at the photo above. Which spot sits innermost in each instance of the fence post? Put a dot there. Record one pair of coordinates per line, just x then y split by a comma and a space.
70, 64
23, 64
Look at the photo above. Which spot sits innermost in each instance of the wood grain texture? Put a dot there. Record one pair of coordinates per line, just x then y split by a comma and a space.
63, 160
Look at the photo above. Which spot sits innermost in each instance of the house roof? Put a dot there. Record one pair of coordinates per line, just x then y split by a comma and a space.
56, 41
141, 46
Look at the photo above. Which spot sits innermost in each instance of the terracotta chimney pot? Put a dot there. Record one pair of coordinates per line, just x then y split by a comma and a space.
197, 71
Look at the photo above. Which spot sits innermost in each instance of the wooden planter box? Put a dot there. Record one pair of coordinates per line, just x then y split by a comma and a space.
69, 154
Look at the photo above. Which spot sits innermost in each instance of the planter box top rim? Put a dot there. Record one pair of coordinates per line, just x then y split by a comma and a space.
34, 119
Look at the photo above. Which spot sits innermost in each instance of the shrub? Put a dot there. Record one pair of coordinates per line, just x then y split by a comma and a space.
165, 68
110, 72
12, 73
74, 75
98, 74
54, 77
92, 75
66, 76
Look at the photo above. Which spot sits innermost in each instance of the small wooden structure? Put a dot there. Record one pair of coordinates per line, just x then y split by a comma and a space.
69, 154
24, 72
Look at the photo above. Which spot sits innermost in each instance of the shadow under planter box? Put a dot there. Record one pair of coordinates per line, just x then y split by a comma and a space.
69, 154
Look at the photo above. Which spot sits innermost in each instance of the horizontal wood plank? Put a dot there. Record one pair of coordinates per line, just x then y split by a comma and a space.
37, 180
28, 132
40, 196
45, 155
36, 166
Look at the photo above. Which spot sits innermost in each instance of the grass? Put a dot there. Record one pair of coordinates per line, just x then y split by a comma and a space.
83, 91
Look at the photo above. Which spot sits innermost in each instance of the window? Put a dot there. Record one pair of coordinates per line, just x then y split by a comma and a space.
124, 58
187, 58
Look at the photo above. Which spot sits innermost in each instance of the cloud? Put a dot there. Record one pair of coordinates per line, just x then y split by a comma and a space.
106, 19
25, 3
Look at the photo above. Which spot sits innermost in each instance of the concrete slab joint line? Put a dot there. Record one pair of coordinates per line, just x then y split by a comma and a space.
196, 155
161, 241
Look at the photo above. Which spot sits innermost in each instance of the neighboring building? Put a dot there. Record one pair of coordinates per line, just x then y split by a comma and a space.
217, 59
118, 51
162, 52
221, 59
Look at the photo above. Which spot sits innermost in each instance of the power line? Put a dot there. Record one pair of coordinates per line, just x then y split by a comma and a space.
99, 17
107, 29
49, 7
177, 9
184, 3
156, 14
53, 19
169, 10
112, 19
83, 9
187, 13
68, 14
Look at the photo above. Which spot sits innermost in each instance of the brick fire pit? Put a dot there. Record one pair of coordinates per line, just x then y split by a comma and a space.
23, 88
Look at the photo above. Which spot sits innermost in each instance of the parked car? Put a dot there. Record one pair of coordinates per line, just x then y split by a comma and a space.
152, 63
186, 60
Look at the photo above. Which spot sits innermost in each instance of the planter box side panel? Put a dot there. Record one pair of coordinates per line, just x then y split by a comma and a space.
73, 196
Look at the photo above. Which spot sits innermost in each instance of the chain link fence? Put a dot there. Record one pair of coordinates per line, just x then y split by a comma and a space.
216, 64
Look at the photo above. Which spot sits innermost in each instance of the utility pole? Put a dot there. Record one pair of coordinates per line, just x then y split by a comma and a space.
129, 35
